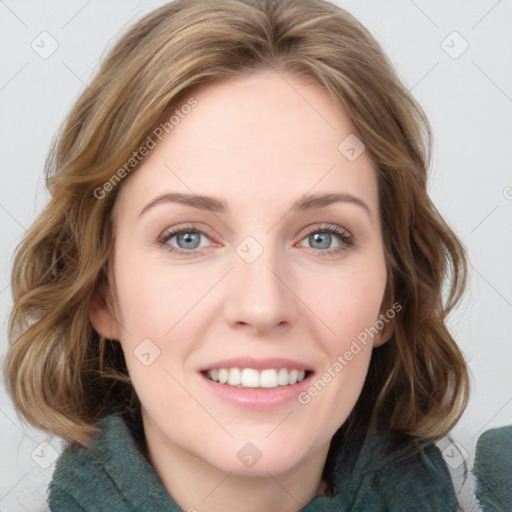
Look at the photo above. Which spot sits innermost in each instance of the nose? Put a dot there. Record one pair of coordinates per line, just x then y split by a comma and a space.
260, 296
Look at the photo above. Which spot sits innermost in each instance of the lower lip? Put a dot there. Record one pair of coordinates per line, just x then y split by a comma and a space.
257, 398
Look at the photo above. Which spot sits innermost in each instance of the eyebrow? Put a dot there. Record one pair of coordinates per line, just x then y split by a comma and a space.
304, 203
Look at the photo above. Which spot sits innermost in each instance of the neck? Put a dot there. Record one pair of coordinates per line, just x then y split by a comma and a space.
195, 485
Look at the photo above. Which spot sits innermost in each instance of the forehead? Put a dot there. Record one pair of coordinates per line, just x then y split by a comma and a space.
263, 138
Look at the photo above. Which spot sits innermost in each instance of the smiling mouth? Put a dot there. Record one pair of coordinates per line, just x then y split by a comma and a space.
251, 378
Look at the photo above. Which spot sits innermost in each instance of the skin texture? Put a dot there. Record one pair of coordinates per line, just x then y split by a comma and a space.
258, 142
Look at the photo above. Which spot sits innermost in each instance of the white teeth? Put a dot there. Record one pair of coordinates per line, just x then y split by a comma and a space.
235, 377
268, 379
251, 378
282, 377
223, 375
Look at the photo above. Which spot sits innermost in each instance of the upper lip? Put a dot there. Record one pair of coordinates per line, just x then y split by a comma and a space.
257, 364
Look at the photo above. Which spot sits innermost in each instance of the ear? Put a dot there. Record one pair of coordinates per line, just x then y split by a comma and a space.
102, 314
385, 333
386, 320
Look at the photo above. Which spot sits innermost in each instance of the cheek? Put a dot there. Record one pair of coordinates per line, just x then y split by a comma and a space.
155, 313
154, 298
159, 309
350, 304
349, 309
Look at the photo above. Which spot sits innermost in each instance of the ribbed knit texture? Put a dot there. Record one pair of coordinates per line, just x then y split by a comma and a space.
493, 470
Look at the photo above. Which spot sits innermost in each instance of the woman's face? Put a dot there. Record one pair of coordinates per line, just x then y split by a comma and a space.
255, 277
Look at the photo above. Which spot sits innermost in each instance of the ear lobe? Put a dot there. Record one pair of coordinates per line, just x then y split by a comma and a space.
387, 319
385, 334
101, 316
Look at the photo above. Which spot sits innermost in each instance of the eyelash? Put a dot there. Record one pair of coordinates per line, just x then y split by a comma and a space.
346, 239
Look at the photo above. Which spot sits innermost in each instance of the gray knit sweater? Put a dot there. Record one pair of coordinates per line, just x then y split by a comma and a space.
114, 476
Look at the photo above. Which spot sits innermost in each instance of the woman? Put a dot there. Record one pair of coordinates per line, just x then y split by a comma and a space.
233, 299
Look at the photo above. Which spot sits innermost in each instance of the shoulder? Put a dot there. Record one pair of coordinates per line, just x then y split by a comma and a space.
413, 478
81, 479
420, 477
113, 474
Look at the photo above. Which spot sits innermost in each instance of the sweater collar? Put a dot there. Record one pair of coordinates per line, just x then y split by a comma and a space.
359, 475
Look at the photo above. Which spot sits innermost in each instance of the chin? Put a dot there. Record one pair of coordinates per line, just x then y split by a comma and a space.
257, 458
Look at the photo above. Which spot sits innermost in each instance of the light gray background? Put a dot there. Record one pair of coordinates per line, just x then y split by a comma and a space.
468, 100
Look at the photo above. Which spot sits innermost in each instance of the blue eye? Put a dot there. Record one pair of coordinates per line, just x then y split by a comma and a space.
321, 238
187, 240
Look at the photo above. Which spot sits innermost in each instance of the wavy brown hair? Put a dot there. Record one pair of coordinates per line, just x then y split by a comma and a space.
63, 377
